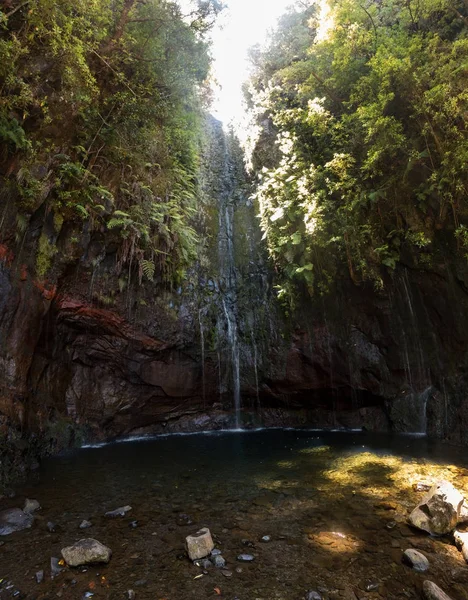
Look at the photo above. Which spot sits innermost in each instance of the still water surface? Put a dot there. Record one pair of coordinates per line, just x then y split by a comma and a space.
334, 505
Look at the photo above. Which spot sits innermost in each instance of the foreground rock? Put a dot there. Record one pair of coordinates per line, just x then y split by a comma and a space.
200, 544
433, 592
440, 510
14, 519
416, 560
86, 552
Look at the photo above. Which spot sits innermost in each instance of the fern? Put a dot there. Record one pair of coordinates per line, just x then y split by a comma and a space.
148, 268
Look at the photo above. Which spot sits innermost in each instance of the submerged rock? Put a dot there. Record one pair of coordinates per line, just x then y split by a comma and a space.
440, 510
433, 592
51, 527
204, 563
85, 524
14, 519
85, 552
40, 576
31, 506
416, 560
118, 512
245, 558
313, 595
219, 561
55, 568
200, 544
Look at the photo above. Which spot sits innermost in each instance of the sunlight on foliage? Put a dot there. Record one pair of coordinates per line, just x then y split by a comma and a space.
359, 140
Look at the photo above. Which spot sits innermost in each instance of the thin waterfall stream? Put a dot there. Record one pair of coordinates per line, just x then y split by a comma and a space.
227, 266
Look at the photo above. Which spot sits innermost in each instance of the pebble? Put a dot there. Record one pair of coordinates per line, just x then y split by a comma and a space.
372, 586
245, 558
203, 563
219, 561
118, 512
141, 582
40, 576
226, 573
421, 487
416, 560
51, 527
216, 552
266, 539
55, 568
31, 506
313, 595
130, 595
184, 519
85, 524
133, 524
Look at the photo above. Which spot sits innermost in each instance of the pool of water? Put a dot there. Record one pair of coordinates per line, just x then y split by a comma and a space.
334, 504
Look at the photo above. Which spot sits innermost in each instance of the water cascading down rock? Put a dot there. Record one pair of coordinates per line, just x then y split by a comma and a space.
227, 266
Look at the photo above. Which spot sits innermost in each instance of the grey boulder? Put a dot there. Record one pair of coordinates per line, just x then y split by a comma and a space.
85, 552
14, 519
416, 560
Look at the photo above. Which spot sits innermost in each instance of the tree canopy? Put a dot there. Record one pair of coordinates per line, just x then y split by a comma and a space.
99, 110
363, 145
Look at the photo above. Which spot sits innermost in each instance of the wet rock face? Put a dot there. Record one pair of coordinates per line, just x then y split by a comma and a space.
390, 360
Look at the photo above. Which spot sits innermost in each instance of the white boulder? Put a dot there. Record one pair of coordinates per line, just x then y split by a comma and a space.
440, 509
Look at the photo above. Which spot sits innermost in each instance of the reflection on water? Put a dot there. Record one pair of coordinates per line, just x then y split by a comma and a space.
334, 504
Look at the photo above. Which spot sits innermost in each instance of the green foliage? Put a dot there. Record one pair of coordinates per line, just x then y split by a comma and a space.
104, 96
371, 140
45, 254
12, 134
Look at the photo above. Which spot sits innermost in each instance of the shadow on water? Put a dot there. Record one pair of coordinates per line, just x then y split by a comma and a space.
334, 504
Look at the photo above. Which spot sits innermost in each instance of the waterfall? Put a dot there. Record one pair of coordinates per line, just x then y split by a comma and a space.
227, 265
255, 357
235, 359
202, 342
